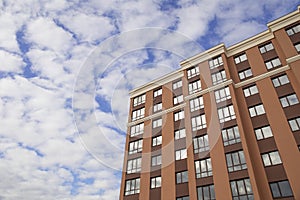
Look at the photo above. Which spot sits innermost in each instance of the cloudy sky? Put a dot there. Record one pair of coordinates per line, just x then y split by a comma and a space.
66, 67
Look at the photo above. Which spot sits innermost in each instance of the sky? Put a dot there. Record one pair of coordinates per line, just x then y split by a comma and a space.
66, 69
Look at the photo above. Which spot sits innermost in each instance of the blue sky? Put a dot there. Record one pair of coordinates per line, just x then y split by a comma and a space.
65, 72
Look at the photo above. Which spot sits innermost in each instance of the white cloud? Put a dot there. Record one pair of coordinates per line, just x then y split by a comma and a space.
11, 62
41, 156
44, 33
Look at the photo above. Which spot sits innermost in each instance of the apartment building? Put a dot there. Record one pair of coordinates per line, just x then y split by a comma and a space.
226, 125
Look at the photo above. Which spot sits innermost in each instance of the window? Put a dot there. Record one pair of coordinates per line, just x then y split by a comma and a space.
182, 177
236, 161
139, 100
263, 132
157, 123
252, 90
222, 94
156, 182
178, 99
193, 72
245, 74
157, 107
231, 135
180, 134
203, 168
132, 186
137, 130
180, 154
183, 198
177, 84
194, 86
293, 30
178, 115
241, 189
280, 80
266, 48
157, 92
295, 124
157, 141
289, 100
206, 192
226, 113
198, 122
273, 63
138, 114
156, 160
297, 46
218, 77
201, 144
271, 158
215, 62
256, 110
135, 147
240, 58
281, 189
134, 165
196, 104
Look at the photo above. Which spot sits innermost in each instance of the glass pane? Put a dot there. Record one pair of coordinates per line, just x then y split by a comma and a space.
275, 190
266, 160
285, 188
275, 158
241, 187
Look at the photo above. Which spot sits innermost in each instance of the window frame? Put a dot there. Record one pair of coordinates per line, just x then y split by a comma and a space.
157, 107
157, 92
157, 123
181, 154
206, 192
180, 133
156, 160
215, 62
198, 122
201, 144
192, 72
134, 165
177, 84
289, 100
177, 99
279, 187
129, 189
240, 58
194, 86
222, 94
196, 103
182, 177
294, 123
263, 132
156, 141
280, 80
155, 182
250, 90
271, 158
265, 48
253, 110
137, 146
273, 63
231, 135
137, 129
138, 114
203, 168
238, 192
293, 30
246, 73
236, 161
218, 77
178, 115
226, 113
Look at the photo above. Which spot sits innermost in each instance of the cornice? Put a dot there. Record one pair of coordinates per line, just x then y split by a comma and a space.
201, 57
155, 83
